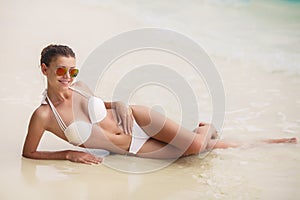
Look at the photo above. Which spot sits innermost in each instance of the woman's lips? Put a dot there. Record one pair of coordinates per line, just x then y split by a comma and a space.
65, 82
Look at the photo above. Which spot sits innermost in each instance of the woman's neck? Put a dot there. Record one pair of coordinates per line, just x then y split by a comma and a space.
58, 96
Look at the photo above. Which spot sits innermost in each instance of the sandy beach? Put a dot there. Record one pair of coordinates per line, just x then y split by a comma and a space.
255, 48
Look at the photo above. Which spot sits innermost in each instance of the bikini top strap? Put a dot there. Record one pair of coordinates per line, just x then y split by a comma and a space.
58, 118
82, 92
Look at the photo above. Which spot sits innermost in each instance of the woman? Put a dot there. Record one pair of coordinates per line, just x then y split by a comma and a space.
71, 111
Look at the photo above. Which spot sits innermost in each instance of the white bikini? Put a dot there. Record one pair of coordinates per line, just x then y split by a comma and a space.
79, 131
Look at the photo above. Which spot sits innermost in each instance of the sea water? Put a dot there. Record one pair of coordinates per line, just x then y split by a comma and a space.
265, 32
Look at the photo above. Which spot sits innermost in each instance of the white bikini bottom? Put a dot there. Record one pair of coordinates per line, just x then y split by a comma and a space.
139, 137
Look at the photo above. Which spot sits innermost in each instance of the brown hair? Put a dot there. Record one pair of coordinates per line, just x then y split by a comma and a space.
52, 51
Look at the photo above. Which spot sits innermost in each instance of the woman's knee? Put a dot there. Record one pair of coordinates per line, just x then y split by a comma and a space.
201, 129
204, 130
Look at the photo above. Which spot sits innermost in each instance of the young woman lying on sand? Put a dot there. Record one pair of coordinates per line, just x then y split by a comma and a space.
134, 130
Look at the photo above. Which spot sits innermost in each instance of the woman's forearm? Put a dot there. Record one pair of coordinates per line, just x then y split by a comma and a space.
73, 156
48, 155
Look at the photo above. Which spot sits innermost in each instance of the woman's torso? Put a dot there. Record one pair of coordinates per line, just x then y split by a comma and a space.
106, 134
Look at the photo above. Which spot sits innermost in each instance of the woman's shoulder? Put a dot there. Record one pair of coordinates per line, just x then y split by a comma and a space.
39, 120
41, 113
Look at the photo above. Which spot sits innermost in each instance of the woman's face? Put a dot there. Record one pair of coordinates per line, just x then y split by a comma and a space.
62, 81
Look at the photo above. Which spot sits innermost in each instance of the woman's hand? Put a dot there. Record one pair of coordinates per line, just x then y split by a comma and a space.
124, 116
82, 157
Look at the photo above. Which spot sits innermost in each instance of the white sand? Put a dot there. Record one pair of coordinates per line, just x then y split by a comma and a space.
259, 104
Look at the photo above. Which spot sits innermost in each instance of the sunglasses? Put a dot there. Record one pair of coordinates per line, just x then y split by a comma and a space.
61, 71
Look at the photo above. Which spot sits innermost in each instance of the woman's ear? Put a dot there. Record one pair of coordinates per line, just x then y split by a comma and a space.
44, 69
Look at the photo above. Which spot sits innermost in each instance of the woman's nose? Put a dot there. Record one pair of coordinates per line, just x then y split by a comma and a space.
67, 74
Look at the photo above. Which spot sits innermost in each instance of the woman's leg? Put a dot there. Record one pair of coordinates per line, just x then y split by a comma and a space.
199, 129
223, 144
156, 149
183, 141
165, 130
280, 140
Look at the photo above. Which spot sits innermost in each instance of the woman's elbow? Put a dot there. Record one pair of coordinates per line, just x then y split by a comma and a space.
27, 154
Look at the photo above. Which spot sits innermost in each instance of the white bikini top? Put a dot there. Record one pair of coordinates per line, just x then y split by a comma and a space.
79, 131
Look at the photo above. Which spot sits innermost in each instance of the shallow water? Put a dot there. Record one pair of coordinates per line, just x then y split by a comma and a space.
254, 45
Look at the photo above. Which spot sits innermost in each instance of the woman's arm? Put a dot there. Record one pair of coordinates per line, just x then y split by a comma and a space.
36, 130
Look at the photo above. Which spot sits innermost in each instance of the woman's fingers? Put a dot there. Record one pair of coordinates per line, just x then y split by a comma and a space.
129, 125
124, 124
94, 159
97, 160
122, 121
83, 157
130, 120
90, 162
90, 159
127, 122
119, 119
124, 117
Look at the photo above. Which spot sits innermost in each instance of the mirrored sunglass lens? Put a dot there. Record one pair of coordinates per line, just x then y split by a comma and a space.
74, 72
61, 71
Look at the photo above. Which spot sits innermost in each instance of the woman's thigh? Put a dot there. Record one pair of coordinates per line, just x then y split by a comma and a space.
163, 129
156, 149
